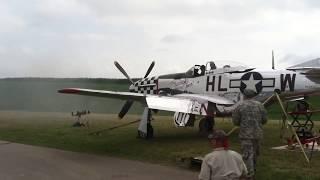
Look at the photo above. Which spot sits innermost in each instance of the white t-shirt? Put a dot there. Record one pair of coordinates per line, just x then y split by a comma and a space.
222, 165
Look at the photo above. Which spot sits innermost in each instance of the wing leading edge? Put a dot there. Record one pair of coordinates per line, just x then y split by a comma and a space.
102, 93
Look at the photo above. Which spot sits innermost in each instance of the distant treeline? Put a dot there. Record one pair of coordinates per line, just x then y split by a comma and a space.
83, 80
41, 94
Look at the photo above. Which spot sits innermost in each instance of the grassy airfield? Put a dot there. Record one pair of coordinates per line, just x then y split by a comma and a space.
168, 147
22, 96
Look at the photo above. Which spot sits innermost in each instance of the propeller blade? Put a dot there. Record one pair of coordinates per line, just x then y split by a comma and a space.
125, 108
123, 71
149, 69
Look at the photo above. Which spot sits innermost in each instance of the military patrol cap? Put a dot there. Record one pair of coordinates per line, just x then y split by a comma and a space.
217, 134
249, 93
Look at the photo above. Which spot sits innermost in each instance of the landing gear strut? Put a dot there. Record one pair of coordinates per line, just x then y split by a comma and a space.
206, 125
145, 129
148, 135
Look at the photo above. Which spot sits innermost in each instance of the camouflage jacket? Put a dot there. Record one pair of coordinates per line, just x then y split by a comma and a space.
250, 115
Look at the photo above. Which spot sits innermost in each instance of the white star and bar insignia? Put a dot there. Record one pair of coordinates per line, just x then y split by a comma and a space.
252, 80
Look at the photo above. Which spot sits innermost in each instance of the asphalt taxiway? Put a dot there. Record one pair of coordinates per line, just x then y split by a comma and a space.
19, 161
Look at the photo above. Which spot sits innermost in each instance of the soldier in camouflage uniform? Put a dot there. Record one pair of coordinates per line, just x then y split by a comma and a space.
250, 115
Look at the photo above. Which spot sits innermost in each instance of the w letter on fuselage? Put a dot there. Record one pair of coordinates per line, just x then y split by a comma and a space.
287, 79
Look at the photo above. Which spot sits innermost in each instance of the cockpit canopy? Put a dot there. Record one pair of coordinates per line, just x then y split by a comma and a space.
200, 70
195, 71
210, 67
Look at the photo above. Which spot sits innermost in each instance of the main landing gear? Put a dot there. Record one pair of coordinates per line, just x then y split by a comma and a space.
145, 129
148, 135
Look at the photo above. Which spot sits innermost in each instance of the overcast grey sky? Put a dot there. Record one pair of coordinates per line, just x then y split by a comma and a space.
82, 38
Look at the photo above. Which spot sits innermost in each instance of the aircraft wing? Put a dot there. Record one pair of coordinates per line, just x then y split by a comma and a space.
203, 98
186, 103
106, 94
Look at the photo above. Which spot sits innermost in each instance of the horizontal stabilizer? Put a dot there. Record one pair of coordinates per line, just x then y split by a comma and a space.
312, 71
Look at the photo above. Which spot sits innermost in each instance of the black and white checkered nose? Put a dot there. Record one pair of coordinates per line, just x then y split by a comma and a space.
145, 86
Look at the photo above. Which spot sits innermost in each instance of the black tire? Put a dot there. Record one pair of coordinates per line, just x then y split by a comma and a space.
206, 125
149, 131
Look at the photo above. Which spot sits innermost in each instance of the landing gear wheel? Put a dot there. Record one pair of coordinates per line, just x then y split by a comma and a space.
149, 131
206, 125
141, 135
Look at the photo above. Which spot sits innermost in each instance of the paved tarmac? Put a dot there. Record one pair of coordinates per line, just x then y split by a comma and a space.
19, 161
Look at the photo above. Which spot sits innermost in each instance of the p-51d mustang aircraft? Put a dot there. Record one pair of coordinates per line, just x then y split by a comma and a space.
206, 90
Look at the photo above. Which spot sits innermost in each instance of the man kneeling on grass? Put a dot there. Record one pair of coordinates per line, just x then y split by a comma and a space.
222, 163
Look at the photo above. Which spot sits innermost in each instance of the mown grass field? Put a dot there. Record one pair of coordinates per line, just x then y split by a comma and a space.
169, 145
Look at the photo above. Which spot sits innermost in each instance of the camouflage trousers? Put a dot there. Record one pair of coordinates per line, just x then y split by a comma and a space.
250, 151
